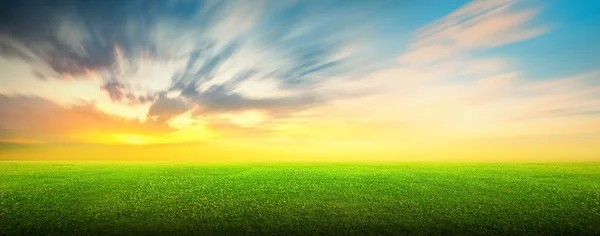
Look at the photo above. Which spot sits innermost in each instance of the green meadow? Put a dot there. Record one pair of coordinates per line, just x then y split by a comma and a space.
54, 198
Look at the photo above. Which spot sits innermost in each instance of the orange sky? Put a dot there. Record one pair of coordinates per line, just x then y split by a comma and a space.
444, 91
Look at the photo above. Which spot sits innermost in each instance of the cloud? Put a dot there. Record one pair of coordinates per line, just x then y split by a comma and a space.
71, 37
35, 118
205, 49
448, 84
118, 93
114, 90
164, 108
479, 25
500, 105
208, 58
560, 98
219, 99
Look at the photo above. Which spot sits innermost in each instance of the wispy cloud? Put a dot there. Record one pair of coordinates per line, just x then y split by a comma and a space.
285, 70
479, 25
447, 84
204, 49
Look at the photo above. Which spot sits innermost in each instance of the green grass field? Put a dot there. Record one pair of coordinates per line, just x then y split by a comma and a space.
289, 199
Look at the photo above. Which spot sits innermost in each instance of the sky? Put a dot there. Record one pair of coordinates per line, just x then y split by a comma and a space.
293, 80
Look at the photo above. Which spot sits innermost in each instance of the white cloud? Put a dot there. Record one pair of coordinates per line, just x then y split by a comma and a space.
479, 25
242, 17
441, 88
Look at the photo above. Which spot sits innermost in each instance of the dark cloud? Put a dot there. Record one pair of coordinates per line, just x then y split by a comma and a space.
311, 65
72, 37
115, 91
219, 98
112, 37
201, 66
144, 98
164, 108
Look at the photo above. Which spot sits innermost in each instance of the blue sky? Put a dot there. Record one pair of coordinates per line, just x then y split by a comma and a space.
385, 27
454, 69
569, 48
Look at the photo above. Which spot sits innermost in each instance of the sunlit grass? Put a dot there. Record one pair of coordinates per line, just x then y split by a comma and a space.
429, 198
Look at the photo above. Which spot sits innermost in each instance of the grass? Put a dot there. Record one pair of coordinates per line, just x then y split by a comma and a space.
288, 199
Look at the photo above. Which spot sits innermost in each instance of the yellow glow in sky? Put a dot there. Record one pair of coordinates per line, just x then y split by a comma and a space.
248, 83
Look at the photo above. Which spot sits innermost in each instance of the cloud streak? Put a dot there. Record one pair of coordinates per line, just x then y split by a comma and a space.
479, 25
290, 70
448, 85
211, 47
